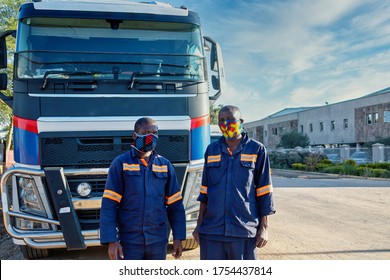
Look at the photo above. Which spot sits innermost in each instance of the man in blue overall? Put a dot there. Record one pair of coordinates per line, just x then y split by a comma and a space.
141, 195
236, 194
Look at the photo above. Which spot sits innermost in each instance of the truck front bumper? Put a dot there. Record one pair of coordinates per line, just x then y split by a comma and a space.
42, 229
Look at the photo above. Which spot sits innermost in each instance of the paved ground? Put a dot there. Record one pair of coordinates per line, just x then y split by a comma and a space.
317, 218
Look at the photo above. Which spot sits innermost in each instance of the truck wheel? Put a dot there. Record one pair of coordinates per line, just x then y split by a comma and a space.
33, 254
189, 244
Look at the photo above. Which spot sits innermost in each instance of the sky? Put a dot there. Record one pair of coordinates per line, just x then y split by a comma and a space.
282, 54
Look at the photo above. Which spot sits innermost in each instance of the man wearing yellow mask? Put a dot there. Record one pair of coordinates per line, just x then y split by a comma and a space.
236, 194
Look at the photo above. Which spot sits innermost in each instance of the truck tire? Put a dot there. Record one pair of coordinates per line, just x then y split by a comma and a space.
189, 244
33, 254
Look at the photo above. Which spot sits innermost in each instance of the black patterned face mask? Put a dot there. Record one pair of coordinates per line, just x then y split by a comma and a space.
145, 143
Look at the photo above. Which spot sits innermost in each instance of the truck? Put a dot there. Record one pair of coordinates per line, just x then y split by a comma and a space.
84, 72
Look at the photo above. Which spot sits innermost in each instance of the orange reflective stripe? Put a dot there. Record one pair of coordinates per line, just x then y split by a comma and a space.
112, 195
247, 157
160, 168
216, 158
171, 199
203, 189
264, 190
131, 167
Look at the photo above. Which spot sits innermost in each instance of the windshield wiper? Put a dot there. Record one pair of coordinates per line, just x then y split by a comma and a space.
142, 74
66, 73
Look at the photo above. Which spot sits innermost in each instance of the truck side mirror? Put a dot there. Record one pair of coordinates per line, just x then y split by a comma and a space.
213, 58
216, 65
3, 81
3, 53
215, 82
3, 85
3, 47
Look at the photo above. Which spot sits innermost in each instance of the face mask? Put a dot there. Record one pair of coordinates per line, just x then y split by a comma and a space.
145, 143
230, 128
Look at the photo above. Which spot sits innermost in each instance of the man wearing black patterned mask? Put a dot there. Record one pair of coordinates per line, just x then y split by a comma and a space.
141, 194
145, 137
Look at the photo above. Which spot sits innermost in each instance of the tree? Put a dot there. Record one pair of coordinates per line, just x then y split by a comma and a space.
8, 21
214, 111
294, 139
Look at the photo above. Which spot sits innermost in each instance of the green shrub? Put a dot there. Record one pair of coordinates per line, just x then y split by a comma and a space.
336, 169
365, 171
379, 165
381, 173
350, 162
312, 161
278, 159
322, 166
293, 157
298, 166
327, 161
350, 169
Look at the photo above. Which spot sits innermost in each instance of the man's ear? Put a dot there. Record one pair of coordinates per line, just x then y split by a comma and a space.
242, 121
134, 135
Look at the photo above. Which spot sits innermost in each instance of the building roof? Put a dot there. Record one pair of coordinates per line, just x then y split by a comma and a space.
287, 111
379, 92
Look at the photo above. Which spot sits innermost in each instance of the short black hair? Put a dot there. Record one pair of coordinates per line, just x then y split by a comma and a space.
143, 121
231, 108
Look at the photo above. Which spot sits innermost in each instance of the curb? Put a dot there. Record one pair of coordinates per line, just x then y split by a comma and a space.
289, 173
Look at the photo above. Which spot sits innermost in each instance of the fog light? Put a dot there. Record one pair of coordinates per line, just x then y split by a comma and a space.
30, 225
84, 189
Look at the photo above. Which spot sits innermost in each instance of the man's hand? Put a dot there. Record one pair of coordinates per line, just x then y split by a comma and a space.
177, 249
261, 237
262, 233
115, 251
195, 234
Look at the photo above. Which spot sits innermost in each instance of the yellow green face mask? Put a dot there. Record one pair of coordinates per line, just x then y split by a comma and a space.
230, 128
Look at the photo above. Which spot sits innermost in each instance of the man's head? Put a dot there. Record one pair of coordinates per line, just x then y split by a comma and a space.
145, 125
230, 122
145, 136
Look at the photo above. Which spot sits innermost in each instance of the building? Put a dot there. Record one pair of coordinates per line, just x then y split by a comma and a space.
353, 122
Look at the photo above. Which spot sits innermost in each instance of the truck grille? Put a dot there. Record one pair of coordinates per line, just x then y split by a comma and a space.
89, 219
90, 152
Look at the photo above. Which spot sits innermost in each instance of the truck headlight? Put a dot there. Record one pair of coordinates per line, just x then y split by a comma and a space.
194, 182
29, 198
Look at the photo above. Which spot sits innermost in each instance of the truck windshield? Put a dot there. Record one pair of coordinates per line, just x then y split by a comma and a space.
109, 50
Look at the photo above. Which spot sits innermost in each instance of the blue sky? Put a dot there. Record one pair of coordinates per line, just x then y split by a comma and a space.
280, 54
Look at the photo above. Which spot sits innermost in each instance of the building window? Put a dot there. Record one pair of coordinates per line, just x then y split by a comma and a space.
311, 127
376, 118
274, 131
302, 128
266, 133
345, 123
369, 119
332, 125
386, 116
321, 126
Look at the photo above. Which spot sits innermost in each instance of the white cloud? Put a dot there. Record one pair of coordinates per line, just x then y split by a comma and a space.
299, 53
